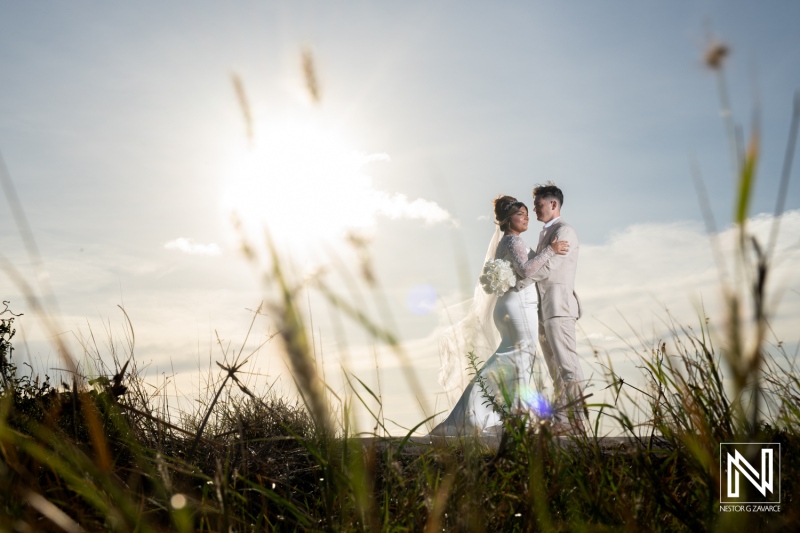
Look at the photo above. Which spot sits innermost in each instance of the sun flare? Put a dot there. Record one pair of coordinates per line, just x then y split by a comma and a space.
302, 181
306, 184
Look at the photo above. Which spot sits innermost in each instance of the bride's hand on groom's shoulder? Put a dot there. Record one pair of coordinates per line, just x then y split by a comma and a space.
559, 247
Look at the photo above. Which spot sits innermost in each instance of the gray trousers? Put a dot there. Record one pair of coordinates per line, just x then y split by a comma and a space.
558, 341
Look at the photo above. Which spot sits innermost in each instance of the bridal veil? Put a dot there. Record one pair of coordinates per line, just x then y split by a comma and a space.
475, 333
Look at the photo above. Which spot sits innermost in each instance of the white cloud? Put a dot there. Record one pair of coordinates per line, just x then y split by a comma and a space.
600, 337
188, 246
643, 271
399, 206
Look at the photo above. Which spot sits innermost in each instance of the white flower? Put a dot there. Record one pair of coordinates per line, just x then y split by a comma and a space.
498, 277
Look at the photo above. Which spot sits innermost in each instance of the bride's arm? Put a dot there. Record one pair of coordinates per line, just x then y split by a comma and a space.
563, 234
523, 266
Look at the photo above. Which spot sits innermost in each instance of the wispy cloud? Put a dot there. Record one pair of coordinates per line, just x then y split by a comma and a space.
188, 246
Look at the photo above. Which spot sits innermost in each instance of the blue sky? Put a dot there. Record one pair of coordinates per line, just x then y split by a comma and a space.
120, 127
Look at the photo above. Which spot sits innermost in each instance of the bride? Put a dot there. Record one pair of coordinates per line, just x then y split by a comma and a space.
507, 374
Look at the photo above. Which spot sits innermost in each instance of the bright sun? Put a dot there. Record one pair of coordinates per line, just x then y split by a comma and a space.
304, 182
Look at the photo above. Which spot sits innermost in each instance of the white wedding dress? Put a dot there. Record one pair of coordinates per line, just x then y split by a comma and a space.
508, 372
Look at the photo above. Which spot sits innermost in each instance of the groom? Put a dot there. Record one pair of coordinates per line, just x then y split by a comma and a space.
559, 307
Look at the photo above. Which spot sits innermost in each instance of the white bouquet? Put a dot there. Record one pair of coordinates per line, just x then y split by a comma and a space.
498, 277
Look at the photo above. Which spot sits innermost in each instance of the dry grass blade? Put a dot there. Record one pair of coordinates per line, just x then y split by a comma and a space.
383, 335
786, 174
747, 180
310, 76
434, 522
166, 424
24, 229
714, 57
89, 410
53, 513
244, 106
293, 332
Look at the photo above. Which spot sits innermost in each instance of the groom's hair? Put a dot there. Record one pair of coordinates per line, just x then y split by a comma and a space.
549, 191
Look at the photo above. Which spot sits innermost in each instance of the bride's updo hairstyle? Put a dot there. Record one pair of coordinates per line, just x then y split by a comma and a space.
504, 208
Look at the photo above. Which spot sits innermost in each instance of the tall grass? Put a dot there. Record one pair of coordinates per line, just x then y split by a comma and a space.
101, 454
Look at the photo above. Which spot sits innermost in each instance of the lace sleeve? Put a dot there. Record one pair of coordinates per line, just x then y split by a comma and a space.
523, 266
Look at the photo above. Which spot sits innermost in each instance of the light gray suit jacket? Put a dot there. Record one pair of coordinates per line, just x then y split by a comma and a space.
555, 281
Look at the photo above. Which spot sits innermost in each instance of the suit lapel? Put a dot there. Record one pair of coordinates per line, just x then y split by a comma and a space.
542, 233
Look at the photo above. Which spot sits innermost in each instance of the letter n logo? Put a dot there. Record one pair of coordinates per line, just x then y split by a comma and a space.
750, 472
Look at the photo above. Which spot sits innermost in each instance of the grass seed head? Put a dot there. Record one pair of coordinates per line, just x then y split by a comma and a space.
716, 54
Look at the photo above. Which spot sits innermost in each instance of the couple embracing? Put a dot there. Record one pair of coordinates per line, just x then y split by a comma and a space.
524, 294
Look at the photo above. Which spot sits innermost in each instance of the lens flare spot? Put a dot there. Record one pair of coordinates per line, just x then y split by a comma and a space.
537, 403
178, 501
421, 299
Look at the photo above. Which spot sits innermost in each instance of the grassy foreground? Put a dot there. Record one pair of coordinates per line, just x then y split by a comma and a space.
99, 458
100, 455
